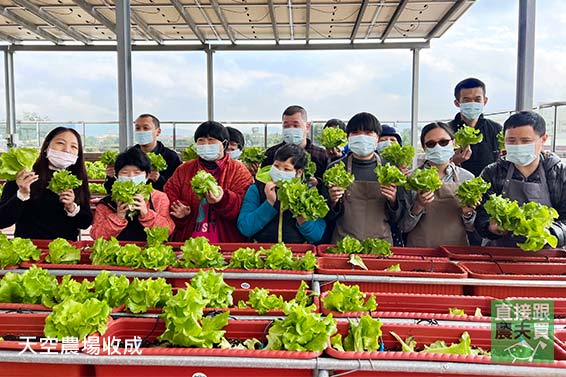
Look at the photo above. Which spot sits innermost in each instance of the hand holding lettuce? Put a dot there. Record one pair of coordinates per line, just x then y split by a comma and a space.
467, 136
63, 180
400, 156
203, 183
158, 163
124, 192
16, 160
338, 176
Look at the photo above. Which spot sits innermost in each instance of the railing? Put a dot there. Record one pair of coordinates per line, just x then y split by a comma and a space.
99, 136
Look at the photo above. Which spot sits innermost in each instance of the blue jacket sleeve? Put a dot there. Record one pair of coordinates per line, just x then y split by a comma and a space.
313, 230
254, 216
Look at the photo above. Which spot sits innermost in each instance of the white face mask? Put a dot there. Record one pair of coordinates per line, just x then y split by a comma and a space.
521, 154
383, 144
362, 145
293, 135
143, 137
137, 179
208, 152
60, 159
280, 175
235, 154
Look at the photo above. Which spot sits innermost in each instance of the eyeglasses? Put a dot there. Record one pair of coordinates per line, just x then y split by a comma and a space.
432, 143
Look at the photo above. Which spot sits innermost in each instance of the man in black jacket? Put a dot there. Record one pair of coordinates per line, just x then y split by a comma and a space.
148, 129
295, 131
470, 98
528, 174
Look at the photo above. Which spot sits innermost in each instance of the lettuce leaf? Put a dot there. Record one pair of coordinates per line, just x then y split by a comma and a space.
157, 235
123, 192
467, 136
17, 250
424, 180
213, 289
158, 163
400, 156
62, 252
63, 180
388, 175
199, 253
95, 170
16, 159
363, 335
246, 258
252, 155
204, 182
348, 298
111, 288
471, 192
96, 188
338, 176
295, 196
147, 293
108, 158
350, 245
407, 345
73, 289
74, 319
332, 137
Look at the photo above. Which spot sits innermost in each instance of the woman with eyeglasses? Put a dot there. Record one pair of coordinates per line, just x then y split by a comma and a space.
437, 218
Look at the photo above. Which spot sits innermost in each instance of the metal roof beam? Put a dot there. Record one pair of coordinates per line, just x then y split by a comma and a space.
308, 17
28, 25
444, 20
220, 14
226, 47
52, 20
359, 20
188, 19
8, 38
87, 7
146, 29
393, 19
273, 21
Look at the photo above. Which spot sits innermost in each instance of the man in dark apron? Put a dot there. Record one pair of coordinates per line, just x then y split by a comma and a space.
528, 174
365, 209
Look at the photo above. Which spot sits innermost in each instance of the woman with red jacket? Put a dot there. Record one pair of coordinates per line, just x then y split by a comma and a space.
213, 217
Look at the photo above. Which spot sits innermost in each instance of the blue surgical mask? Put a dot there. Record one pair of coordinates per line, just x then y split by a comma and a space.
383, 144
293, 135
362, 145
143, 137
471, 110
208, 152
439, 155
137, 179
521, 154
278, 175
235, 154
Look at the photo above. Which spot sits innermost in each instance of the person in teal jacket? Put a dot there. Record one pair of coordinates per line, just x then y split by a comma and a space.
259, 215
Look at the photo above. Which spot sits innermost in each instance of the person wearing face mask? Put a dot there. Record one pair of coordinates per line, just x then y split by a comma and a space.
470, 97
366, 208
260, 214
236, 143
214, 216
527, 174
295, 130
111, 218
39, 213
437, 218
148, 129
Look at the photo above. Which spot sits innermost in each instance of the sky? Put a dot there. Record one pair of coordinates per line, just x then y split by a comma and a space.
259, 85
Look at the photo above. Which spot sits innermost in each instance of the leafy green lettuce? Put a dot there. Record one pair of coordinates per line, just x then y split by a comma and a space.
363, 336
213, 289
388, 175
203, 183
400, 156
470, 192
348, 298
63, 180
96, 188
467, 136
189, 153
123, 192
185, 325
111, 288
17, 250
332, 137
246, 258
338, 176
157, 235
75, 319
158, 163
108, 158
73, 289
62, 252
424, 180
16, 159
252, 155
295, 196
350, 245
199, 253
147, 293
95, 170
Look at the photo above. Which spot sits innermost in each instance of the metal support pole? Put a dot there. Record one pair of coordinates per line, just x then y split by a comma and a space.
210, 82
526, 55
11, 136
415, 99
554, 128
124, 50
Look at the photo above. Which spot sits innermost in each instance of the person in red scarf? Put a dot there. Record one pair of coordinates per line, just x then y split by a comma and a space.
213, 217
